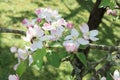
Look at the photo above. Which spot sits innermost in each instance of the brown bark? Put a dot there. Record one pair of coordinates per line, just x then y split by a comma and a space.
95, 18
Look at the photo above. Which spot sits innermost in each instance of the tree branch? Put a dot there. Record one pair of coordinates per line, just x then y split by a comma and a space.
92, 46
5, 30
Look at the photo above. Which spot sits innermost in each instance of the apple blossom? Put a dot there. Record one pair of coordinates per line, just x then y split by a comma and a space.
116, 75
72, 40
36, 36
13, 77
87, 35
54, 25
28, 23
48, 14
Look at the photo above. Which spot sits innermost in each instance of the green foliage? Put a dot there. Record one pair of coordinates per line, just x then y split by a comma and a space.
108, 3
38, 57
82, 58
21, 68
53, 59
12, 14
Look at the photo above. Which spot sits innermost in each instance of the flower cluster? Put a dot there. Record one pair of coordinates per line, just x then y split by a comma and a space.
49, 26
22, 54
74, 40
111, 12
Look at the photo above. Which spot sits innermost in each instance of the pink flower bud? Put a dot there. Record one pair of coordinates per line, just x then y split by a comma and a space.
37, 11
114, 13
13, 77
13, 49
71, 47
109, 11
30, 26
39, 20
24, 21
69, 25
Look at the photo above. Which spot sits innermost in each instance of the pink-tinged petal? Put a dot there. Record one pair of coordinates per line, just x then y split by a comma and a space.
47, 26
13, 77
25, 21
38, 11
38, 31
93, 33
94, 38
84, 28
74, 32
109, 11
83, 41
70, 47
30, 60
62, 22
22, 54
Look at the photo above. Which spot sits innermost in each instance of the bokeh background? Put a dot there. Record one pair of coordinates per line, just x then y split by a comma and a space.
12, 12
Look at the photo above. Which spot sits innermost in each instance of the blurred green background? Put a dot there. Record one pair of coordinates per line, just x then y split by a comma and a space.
12, 12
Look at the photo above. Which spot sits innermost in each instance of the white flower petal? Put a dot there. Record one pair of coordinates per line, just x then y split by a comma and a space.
33, 46
103, 78
39, 44
44, 38
68, 37
94, 38
83, 41
22, 54
116, 74
74, 32
84, 28
93, 32
30, 60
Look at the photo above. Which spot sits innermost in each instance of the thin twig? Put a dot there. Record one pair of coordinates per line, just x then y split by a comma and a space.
105, 47
5, 30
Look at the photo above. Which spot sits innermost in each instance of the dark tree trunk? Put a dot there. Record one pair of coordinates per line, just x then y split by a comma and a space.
96, 15
95, 18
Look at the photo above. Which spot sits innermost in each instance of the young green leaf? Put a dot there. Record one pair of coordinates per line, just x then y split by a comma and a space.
54, 59
38, 57
82, 58
21, 68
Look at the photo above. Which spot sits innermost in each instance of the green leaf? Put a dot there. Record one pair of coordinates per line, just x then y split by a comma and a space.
53, 59
82, 58
104, 3
112, 4
38, 57
83, 46
21, 68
